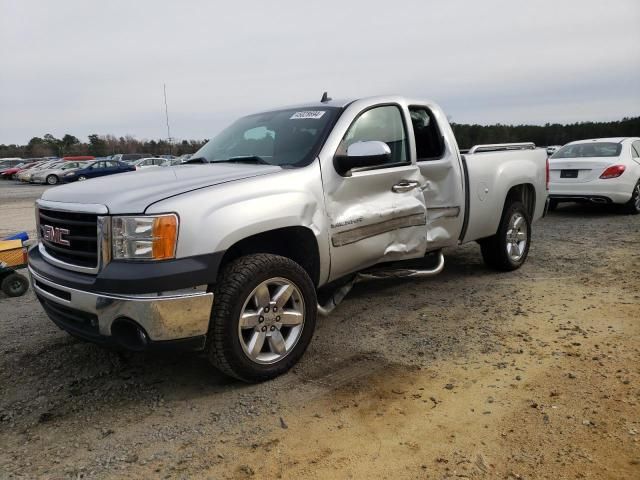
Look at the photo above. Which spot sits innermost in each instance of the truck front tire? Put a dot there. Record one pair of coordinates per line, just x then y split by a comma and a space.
508, 249
263, 317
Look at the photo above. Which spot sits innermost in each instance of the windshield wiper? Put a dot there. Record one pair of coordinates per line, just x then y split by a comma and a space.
244, 159
197, 160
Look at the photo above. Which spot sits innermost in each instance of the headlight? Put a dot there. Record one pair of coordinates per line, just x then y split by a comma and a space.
152, 237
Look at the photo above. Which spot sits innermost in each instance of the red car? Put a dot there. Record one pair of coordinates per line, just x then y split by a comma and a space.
9, 173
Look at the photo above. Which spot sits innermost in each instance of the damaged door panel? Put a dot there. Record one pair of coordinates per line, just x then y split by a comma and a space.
377, 213
370, 223
439, 163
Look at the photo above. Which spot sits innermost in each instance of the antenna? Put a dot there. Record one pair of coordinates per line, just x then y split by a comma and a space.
325, 98
166, 113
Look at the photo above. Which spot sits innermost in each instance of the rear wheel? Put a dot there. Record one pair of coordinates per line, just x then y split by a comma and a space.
508, 248
633, 205
263, 317
52, 179
14, 285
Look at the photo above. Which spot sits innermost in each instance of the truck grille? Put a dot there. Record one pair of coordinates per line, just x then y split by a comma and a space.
72, 238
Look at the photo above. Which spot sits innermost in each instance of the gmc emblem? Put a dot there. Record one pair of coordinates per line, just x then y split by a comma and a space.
55, 234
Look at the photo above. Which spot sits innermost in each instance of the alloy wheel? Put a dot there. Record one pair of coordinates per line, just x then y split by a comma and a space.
516, 237
271, 320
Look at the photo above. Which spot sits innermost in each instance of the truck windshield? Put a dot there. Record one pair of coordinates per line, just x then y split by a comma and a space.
590, 149
287, 138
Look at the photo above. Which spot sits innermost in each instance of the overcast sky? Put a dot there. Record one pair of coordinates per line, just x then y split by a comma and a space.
88, 66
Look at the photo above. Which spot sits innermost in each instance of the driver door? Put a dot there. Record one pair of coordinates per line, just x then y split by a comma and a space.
376, 213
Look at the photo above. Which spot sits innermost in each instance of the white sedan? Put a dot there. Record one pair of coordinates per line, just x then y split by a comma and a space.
149, 162
602, 170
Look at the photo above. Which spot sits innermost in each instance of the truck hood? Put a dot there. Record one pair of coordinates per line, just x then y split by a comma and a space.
133, 192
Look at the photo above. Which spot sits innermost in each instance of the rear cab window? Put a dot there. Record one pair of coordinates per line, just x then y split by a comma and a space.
427, 135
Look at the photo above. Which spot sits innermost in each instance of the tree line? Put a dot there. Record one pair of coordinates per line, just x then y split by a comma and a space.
544, 135
467, 136
98, 146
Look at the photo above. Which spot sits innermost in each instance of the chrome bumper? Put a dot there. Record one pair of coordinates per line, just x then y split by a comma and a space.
166, 316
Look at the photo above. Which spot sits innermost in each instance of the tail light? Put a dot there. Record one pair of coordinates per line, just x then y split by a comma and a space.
547, 173
614, 171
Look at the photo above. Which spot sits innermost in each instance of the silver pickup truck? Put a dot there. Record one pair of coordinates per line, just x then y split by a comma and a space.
229, 256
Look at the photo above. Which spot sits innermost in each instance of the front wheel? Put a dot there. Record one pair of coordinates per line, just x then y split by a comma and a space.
81, 178
14, 285
633, 205
263, 317
508, 248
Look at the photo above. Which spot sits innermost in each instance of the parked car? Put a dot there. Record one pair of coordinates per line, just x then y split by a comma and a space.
10, 164
53, 175
551, 149
184, 157
289, 201
78, 158
149, 162
601, 170
172, 162
26, 174
6, 163
97, 169
11, 173
129, 157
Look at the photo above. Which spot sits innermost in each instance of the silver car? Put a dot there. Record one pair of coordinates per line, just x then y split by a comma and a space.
54, 173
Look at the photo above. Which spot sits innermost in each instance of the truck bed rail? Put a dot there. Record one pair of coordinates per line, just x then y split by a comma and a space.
498, 147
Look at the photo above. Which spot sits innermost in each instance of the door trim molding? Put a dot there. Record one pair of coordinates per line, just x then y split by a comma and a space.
354, 235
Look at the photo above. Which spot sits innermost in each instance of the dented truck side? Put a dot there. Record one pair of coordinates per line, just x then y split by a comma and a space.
287, 202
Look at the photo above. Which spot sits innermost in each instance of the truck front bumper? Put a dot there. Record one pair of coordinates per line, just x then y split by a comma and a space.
178, 319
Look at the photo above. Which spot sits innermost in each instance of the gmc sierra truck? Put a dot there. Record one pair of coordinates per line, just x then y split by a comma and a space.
228, 255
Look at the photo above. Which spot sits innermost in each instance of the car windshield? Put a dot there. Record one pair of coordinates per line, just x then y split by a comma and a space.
288, 138
590, 149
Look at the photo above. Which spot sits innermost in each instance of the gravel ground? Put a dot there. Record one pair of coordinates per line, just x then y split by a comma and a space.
470, 374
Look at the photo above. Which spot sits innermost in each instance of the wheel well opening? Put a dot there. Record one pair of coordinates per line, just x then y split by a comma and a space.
525, 193
297, 243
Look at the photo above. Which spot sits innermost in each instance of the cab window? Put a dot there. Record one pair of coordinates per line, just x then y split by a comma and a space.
429, 141
383, 124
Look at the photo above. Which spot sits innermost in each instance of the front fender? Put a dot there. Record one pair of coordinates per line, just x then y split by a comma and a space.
215, 218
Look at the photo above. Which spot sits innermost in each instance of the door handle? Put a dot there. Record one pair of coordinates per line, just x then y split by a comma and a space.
404, 186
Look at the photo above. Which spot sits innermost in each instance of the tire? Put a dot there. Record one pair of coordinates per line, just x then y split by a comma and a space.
249, 352
553, 204
494, 249
52, 180
82, 178
14, 285
633, 205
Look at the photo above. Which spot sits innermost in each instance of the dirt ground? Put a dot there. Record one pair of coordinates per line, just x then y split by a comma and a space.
533, 374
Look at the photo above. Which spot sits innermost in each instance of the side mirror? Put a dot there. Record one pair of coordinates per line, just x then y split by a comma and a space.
362, 154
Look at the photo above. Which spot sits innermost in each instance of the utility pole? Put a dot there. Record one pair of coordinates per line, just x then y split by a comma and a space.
166, 113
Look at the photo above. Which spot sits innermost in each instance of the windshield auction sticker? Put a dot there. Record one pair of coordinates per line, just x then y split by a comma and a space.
313, 114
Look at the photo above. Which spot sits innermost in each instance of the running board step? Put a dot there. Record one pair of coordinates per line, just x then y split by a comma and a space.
377, 274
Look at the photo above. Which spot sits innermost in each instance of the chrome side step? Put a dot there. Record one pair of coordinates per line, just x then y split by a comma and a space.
378, 274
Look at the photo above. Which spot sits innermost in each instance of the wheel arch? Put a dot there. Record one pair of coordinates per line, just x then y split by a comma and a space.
524, 193
297, 243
